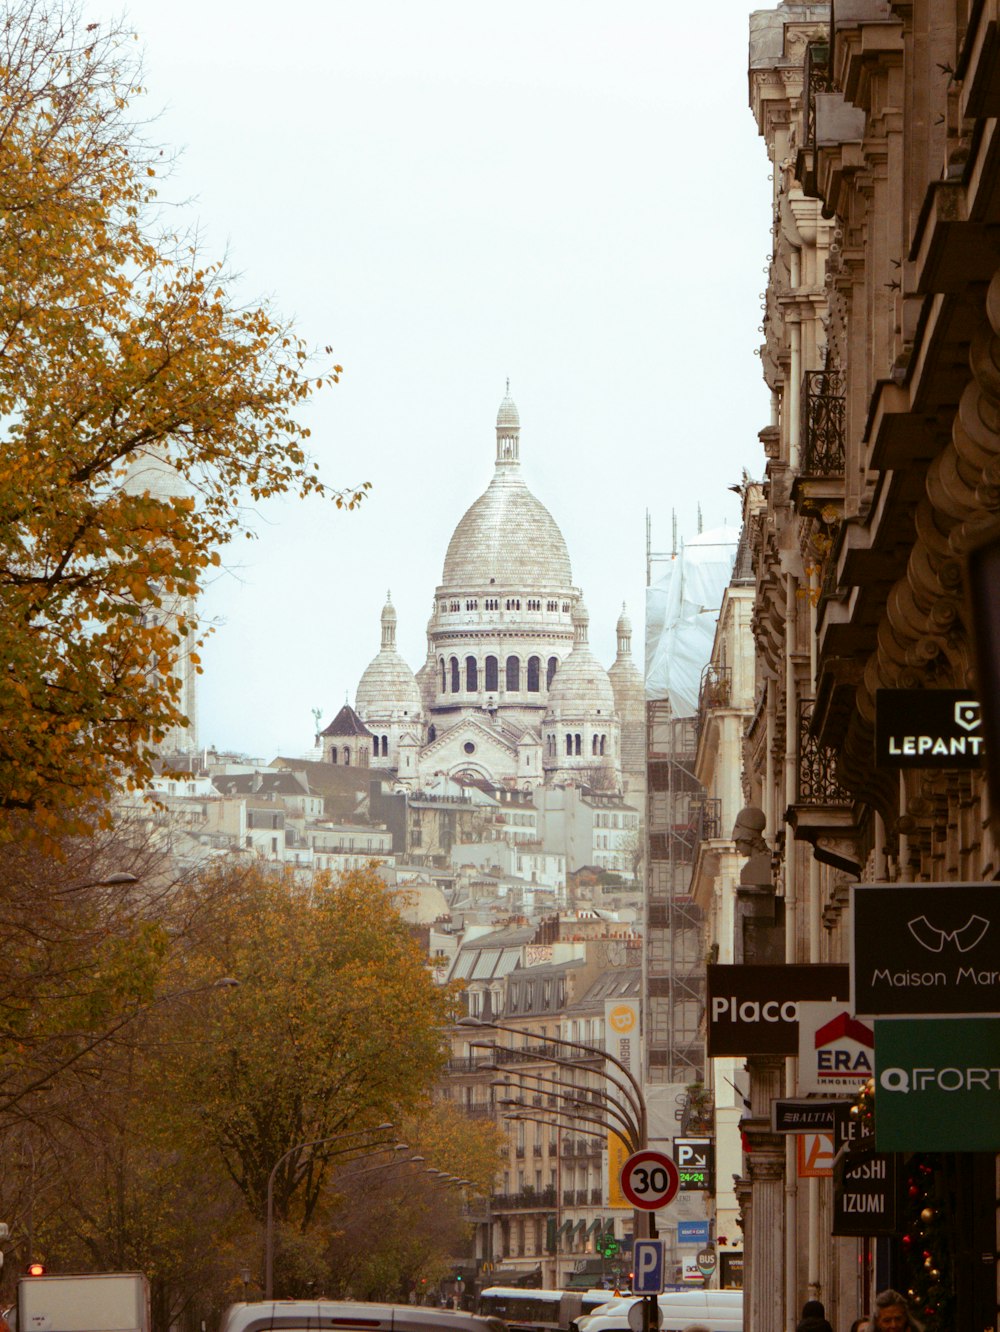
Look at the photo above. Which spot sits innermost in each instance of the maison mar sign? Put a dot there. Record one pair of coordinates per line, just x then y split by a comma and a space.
925, 950
753, 1009
928, 728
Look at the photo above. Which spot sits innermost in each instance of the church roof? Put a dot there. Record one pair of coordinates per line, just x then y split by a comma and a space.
507, 537
581, 686
388, 687
347, 722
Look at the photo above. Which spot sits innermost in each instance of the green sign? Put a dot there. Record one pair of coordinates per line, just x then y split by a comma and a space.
607, 1245
937, 1085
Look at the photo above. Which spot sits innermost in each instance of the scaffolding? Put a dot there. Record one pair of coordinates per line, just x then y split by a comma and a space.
674, 934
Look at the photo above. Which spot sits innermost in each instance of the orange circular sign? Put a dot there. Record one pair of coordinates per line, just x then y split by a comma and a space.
622, 1018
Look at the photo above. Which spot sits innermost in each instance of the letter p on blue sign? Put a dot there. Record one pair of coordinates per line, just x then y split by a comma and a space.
647, 1265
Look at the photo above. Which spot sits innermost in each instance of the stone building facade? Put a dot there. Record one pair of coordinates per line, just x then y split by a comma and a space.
882, 341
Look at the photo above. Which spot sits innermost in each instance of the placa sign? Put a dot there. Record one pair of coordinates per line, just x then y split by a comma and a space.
754, 1009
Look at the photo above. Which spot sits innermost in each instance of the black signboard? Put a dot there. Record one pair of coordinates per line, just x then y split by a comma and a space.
695, 1162
928, 728
753, 1009
804, 1116
731, 1269
864, 1193
925, 950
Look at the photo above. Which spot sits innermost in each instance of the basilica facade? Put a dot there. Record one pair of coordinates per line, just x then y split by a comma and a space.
510, 690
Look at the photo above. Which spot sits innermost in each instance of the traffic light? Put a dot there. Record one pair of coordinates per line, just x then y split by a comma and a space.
35, 1269
459, 1278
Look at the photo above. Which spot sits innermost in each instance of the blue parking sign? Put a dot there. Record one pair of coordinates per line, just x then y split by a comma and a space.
647, 1267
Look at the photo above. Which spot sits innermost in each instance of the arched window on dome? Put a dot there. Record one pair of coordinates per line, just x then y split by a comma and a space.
471, 675
431, 733
604, 739
456, 682
578, 744
534, 674
347, 757
333, 753
569, 744
593, 744
513, 675
444, 681
550, 671
492, 675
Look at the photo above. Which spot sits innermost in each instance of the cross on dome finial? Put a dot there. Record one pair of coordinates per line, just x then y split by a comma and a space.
508, 431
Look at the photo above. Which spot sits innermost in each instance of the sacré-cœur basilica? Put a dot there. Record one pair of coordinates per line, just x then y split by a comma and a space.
510, 692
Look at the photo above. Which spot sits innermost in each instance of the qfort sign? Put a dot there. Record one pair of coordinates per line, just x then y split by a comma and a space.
925, 950
928, 728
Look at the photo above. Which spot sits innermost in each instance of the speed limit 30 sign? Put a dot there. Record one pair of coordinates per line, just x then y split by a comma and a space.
649, 1180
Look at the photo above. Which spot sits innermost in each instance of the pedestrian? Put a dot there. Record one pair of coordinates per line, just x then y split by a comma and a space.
813, 1318
859, 1325
892, 1314
697, 1327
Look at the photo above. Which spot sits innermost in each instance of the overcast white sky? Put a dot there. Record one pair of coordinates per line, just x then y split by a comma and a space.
569, 193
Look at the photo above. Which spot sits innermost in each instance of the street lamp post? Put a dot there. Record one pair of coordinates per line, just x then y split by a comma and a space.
298, 1147
630, 1089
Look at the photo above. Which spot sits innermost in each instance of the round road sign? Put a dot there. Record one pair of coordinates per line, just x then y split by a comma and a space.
636, 1318
649, 1180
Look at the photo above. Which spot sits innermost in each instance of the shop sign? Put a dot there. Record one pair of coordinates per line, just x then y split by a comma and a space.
836, 1051
693, 1232
928, 728
617, 1155
621, 1026
731, 1269
754, 1009
801, 1115
864, 1194
815, 1155
925, 950
695, 1162
937, 1085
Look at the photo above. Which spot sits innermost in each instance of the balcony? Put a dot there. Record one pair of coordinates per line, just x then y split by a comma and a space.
823, 813
478, 1110
536, 1149
519, 1151
822, 445
715, 691
527, 1199
568, 1196
596, 1197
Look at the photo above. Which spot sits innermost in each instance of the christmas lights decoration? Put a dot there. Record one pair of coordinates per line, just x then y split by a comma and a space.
926, 1243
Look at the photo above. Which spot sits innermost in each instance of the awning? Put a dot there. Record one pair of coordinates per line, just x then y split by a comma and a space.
565, 1228
596, 1227
581, 1227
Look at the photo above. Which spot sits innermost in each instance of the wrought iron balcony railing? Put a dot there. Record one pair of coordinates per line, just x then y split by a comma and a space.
818, 783
823, 423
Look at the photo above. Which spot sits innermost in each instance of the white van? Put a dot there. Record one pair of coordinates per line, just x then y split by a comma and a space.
719, 1310
349, 1316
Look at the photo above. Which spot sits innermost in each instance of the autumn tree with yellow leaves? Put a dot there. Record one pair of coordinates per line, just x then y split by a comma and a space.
119, 344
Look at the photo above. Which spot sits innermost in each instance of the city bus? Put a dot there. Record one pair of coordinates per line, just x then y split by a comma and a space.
527, 1310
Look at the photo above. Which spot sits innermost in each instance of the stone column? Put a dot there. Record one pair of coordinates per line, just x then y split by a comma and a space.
764, 1227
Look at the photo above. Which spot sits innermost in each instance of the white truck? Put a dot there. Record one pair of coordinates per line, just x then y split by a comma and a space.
90, 1302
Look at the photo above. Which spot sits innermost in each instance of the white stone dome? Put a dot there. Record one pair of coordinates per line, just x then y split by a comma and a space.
509, 538
388, 686
507, 415
581, 687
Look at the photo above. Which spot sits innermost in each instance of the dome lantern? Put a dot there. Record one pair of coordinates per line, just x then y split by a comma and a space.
508, 432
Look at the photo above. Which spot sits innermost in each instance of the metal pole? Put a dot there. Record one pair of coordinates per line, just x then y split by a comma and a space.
269, 1217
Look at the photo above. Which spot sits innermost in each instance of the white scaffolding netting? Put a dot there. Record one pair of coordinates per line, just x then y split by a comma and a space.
682, 609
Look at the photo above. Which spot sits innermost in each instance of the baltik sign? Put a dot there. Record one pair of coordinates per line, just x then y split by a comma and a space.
928, 728
836, 1051
925, 950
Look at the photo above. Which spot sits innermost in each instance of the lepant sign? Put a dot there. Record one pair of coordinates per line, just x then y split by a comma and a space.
754, 1009
928, 728
937, 1085
925, 950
